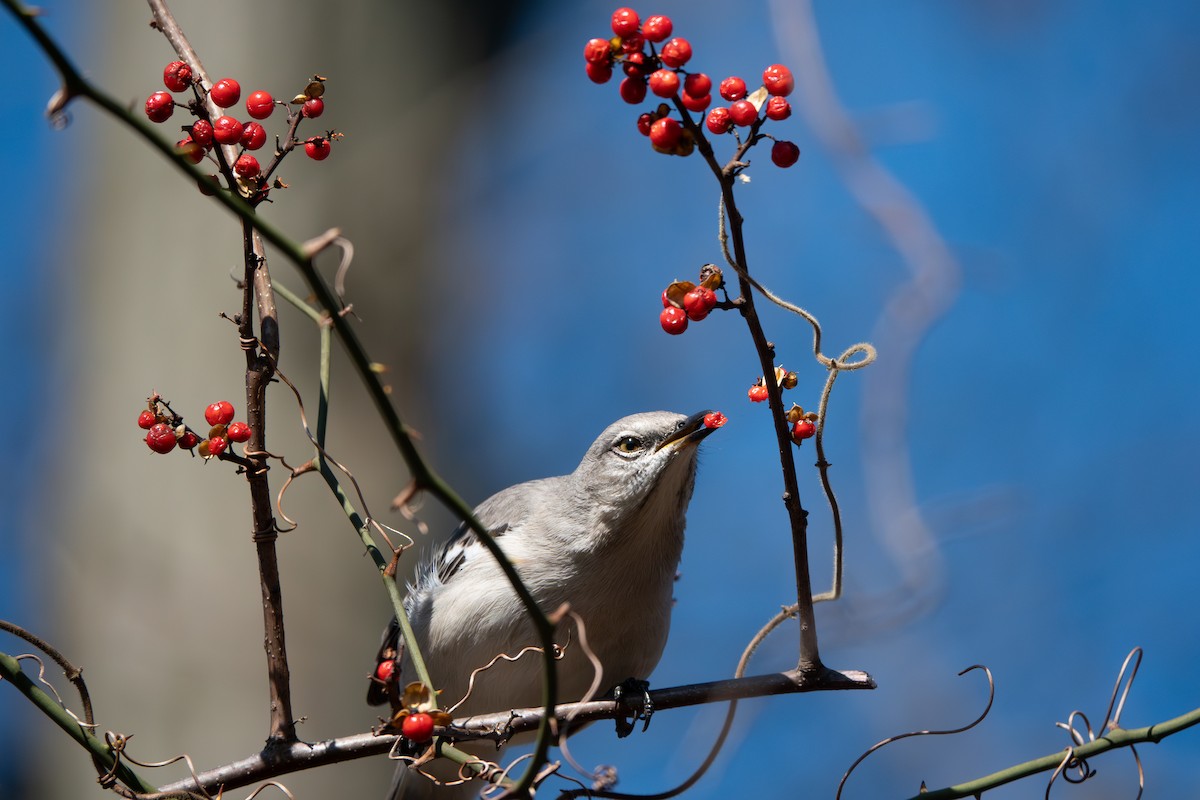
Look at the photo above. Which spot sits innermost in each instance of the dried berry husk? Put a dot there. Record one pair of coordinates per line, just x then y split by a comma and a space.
677, 290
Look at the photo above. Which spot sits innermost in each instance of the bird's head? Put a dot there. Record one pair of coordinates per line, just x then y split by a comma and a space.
641, 469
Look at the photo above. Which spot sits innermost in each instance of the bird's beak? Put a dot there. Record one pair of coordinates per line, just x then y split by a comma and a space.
688, 432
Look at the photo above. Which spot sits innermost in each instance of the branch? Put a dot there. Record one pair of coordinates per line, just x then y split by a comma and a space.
1111, 740
10, 671
502, 725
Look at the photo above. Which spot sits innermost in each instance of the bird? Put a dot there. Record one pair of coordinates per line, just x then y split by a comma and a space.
605, 539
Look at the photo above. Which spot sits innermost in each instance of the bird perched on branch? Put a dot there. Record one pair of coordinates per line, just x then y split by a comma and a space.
605, 540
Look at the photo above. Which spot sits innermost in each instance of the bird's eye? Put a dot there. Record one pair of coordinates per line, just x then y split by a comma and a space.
628, 445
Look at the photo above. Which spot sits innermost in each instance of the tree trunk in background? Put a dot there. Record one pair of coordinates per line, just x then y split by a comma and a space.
152, 585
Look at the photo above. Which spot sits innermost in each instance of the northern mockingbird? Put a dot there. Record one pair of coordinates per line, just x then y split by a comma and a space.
605, 539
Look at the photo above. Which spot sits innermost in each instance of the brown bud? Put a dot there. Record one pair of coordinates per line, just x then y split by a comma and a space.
789, 381
795, 414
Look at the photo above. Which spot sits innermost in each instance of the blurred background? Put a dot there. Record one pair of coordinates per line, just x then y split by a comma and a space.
1001, 196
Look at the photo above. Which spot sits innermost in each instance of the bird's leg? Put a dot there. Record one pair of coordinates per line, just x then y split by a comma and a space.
634, 695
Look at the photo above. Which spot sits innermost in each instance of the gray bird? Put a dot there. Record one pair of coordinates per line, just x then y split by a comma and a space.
606, 539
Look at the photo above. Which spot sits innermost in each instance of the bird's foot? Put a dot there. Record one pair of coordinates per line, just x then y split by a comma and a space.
634, 695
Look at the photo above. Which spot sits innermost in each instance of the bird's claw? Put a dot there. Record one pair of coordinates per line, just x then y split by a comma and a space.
634, 695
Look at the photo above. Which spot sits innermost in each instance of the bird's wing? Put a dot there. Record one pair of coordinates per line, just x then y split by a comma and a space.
391, 647
497, 514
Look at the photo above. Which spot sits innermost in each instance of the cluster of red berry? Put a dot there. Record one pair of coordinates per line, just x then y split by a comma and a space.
660, 70
684, 300
165, 429
205, 133
804, 423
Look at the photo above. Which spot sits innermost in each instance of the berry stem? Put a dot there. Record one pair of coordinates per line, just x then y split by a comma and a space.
809, 657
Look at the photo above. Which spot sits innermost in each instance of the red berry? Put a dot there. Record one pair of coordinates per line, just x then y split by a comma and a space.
225, 92
227, 130
697, 84
146, 420
718, 120
247, 166
732, 88
643, 124
239, 432
190, 150
216, 446
160, 106
202, 133
665, 133
784, 154
657, 28
664, 83
317, 149
177, 76
633, 90
803, 429
696, 104
260, 104
666, 300
757, 393
634, 65
676, 52
254, 136
313, 107
385, 669
674, 320
778, 80
597, 51
778, 108
598, 73
418, 727
698, 302
714, 419
625, 22
219, 413
633, 44
188, 440
743, 113
161, 438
